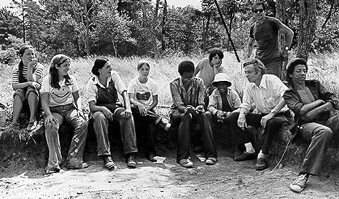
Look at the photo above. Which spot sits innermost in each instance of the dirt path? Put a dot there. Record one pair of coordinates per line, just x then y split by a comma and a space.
226, 179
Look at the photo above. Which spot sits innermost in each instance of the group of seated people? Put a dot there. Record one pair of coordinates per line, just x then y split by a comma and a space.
267, 102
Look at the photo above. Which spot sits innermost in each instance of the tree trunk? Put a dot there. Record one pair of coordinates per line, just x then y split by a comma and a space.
154, 30
307, 26
164, 18
281, 7
205, 33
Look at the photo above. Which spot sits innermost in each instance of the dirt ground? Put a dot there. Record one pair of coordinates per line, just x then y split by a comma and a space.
166, 179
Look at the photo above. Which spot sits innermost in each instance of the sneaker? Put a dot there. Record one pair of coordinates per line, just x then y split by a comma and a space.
187, 163
298, 185
211, 161
131, 163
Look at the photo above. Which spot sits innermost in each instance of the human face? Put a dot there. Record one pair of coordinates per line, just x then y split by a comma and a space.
63, 68
216, 60
144, 70
187, 77
27, 56
222, 87
251, 74
259, 12
299, 74
106, 70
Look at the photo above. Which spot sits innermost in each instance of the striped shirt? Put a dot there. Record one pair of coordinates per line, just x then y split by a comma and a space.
193, 96
38, 71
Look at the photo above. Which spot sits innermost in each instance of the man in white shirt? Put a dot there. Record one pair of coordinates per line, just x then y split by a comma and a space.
264, 91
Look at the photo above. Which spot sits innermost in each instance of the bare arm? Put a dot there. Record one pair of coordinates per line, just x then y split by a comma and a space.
249, 47
196, 71
45, 103
77, 100
289, 35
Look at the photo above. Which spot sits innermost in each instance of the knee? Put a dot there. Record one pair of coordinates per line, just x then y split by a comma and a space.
233, 117
99, 117
325, 132
51, 129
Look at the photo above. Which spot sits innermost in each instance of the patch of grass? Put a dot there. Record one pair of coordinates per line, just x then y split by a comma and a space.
321, 67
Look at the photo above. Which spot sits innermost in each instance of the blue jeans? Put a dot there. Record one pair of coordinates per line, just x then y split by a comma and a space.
69, 114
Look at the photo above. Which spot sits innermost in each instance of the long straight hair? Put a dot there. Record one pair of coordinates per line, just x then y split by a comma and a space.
57, 60
21, 64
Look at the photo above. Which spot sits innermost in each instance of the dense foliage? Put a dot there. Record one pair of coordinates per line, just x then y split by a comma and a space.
145, 27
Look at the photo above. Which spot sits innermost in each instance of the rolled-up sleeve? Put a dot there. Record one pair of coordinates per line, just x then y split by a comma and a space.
236, 102
293, 101
91, 91
118, 83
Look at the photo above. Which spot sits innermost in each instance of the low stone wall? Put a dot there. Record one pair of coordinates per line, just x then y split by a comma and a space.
29, 150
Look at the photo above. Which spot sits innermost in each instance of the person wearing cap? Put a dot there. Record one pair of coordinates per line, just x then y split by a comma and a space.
103, 90
223, 100
187, 109
264, 32
265, 92
143, 94
312, 104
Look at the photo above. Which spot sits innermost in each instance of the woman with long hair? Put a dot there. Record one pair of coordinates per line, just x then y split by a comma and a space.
26, 82
61, 102
103, 91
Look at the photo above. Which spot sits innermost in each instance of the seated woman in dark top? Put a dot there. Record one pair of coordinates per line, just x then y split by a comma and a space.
311, 103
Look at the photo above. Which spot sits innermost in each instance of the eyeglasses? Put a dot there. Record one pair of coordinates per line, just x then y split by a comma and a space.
258, 10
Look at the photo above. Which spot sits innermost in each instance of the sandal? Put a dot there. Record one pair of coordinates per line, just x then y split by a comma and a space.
211, 161
109, 164
32, 125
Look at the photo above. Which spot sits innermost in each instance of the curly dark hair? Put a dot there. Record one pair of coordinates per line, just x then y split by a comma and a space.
185, 66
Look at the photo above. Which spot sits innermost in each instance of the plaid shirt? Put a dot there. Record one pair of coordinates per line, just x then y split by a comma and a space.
193, 96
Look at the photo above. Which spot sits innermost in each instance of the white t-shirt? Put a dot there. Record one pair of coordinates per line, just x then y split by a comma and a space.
61, 96
144, 92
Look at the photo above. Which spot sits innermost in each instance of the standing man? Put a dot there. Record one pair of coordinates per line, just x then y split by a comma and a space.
265, 92
265, 32
188, 108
